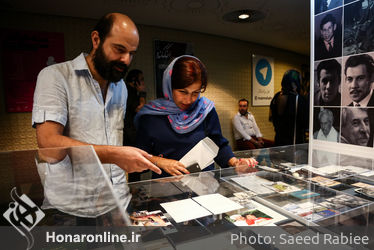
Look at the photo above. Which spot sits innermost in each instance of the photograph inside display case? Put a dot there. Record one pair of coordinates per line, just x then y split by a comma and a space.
254, 214
205, 204
312, 198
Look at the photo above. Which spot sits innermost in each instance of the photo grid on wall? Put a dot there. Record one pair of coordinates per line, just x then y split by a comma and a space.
344, 72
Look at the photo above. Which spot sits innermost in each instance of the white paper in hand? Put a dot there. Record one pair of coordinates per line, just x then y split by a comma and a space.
202, 154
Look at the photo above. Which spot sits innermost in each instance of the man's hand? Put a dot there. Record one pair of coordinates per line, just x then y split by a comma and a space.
256, 143
50, 135
261, 142
132, 159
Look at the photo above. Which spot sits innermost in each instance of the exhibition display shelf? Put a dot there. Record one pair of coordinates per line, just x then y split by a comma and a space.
284, 195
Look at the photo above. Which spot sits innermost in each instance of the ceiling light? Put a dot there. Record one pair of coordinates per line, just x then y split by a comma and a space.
243, 16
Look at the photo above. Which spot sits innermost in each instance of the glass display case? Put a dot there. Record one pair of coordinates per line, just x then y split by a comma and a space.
286, 195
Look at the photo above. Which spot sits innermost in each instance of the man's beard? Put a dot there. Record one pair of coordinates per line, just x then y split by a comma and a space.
106, 68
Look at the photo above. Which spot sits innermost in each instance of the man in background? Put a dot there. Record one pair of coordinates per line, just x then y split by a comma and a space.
135, 101
328, 76
83, 101
326, 132
246, 132
355, 126
358, 72
329, 44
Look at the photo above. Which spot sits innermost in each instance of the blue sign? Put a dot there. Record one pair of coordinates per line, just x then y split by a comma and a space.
263, 72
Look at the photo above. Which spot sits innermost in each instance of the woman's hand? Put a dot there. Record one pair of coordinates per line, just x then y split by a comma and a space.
244, 165
251, 162
170, 166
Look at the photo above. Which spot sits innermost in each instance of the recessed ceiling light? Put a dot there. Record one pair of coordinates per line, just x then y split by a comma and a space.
244, 16
195, 4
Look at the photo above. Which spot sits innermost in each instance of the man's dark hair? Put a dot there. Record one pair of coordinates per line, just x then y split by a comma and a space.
326, 19
354, 61
244, 100
330, 66
104, 26
133, 75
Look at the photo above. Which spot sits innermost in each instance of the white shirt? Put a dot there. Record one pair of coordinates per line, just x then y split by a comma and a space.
245, 127
332, 136
68, 94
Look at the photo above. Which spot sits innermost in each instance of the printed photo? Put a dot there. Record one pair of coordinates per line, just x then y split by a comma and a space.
250, 218
328, 30
357, 87
365, 191
145, 218
358, 27
304, 194
325, 5
326, 123
355, 127
281, 187
327, 213
344, 200
326, 182
327, 75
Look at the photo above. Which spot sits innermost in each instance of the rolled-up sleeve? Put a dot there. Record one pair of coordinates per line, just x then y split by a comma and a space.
50, 98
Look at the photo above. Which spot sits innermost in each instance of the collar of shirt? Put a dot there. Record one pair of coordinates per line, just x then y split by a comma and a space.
80, 63
364, 102
329, 42
332, 135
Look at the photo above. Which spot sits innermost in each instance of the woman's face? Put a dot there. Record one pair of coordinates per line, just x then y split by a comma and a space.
185, 97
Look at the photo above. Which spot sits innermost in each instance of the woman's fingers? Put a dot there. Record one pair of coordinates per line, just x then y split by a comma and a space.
176, 172
183, 169
251, 162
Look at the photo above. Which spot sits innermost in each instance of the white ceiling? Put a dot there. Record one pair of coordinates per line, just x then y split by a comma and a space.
286, 24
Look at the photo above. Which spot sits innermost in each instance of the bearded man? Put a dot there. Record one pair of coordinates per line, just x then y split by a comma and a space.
83, 101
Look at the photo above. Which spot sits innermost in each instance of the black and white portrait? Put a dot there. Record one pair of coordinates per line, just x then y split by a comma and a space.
355, 127
326, 123
328, 38
357, 86
325, 5
327, 77
359, 27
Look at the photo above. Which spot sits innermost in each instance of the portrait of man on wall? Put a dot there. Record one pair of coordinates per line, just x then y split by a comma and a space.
326, 124
328, 42
355, 127
358, 27
358, 74
327, 86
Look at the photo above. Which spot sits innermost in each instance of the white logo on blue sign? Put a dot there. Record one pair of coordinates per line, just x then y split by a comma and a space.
263, 72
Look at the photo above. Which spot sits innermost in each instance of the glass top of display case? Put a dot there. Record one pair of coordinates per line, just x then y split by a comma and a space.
285, 193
